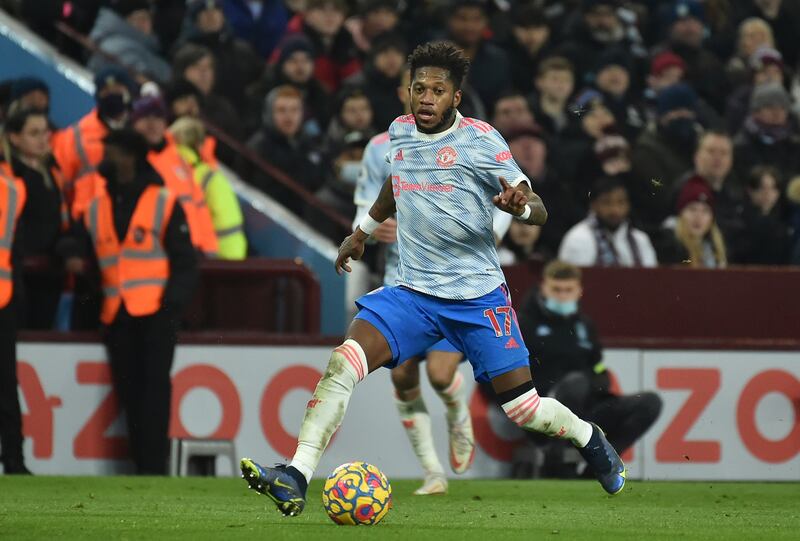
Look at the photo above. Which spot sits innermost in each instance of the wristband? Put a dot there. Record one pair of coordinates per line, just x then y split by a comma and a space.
368, 224
525, 214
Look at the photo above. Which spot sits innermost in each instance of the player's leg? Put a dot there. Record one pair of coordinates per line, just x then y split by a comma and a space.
417, 424
370, 344
442, 366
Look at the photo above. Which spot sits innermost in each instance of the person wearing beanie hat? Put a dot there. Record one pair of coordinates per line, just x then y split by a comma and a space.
765, 65
770, 133
237, 64
381, 76
606, 238
663, 153
149, 119
140, 319
294, 66
124, 31
694, 239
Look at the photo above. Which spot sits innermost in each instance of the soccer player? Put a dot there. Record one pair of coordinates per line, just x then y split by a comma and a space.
442, 359
450, 284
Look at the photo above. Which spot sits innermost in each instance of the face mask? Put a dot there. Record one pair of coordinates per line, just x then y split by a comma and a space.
349, 171
113, 106
107, 170
566, 308
681, 130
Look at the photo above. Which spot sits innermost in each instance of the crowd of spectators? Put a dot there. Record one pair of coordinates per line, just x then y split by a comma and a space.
656, 132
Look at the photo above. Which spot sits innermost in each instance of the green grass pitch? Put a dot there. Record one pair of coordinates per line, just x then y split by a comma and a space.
122, 508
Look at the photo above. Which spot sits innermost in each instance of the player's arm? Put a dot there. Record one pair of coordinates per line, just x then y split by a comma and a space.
521, 202
353, 246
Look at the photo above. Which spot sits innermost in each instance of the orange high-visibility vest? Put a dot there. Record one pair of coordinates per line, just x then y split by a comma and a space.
208, 151
135, 271
79, 148
179, 179
12, 200
85, 188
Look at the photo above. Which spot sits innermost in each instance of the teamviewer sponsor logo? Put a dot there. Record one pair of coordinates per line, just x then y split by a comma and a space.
425, 187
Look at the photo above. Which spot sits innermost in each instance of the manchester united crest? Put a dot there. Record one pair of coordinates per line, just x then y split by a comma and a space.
446, 157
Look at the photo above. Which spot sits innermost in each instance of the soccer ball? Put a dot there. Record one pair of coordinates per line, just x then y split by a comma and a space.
357, 493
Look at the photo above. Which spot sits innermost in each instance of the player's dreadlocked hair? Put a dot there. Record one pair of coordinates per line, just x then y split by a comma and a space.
440, 54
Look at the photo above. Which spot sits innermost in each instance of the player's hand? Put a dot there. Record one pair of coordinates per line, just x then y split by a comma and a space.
351, 247
387, 231
511, 200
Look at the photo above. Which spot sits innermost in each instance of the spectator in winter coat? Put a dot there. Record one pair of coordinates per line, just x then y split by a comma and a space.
769, 135
766, 66
281, 144
555, 82
754, 34
335, 53
237, 64
353, 114
259, 23
295, 67
126, 33
529, 44
380, 77
663, 153
377, 17
613, 79
693, 238
765, 239
606, 238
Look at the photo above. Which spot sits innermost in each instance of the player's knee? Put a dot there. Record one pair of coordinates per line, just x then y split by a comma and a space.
440, 376
406, 376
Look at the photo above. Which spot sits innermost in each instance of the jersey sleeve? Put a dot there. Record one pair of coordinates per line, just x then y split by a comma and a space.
493, 160
374, 170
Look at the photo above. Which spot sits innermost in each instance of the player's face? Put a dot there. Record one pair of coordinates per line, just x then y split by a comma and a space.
433, 99
562, 290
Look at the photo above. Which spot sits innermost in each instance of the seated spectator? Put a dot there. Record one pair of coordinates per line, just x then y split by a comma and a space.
613, 80
793, 197
783, 17
226, 214
44, 217
684, 23
353, 114
669, 69
754, 34
664, 152
125, 31
281, 143
489, 72
520, 244
294, 66
713, 163
335, 53
606, 237
195, 64
769, 135
765, 66
694, 239
555, 81
380, 77
340, 185
765, 237
237, 65
149, 119
597, 27
529, 44
376, 17
259, 23
531, 151
79, 148
511, 111
567, 360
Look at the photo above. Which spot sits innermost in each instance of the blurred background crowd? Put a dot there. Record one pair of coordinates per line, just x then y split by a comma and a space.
657, 132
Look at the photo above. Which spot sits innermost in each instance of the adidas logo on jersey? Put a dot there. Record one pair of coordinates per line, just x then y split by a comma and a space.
512, 343
399, 156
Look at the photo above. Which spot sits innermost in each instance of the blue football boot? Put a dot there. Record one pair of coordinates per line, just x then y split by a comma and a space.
604, 461
286, 488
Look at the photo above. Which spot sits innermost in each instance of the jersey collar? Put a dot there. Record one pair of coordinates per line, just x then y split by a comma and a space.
437, 136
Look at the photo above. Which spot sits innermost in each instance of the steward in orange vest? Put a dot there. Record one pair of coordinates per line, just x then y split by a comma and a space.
148, 271
44, 219
79, 148
149, 117
12, 201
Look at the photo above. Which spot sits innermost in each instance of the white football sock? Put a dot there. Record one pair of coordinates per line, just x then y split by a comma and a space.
455, 399
548, 416
325, 410
417, 423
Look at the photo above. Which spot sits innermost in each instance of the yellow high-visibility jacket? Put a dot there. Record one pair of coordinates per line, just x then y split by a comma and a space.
226, 214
